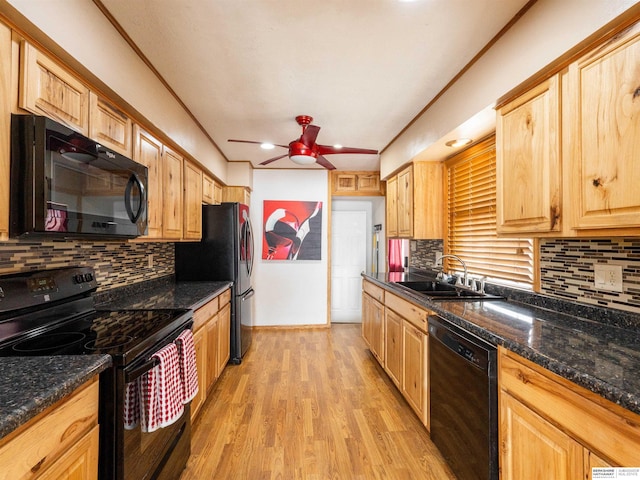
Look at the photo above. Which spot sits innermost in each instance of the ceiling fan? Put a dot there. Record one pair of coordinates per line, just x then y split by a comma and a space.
305, 150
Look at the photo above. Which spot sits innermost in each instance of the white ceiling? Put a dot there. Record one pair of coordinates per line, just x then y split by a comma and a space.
363, 69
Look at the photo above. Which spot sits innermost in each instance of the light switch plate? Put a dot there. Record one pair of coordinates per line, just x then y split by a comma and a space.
608, 277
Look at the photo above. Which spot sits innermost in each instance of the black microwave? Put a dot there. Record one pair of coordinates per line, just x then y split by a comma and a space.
64, 184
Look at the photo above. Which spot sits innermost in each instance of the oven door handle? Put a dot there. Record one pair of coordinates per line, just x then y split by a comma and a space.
131, 375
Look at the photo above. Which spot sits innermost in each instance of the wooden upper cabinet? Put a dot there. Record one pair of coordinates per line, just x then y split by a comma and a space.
109, 125
418, 211
528, 162
192, 181
172, 194
604, 143
405, 203
5, 128
211, 190
356, 183
147, 150
48, 89
392, 207
207, 189
236, 194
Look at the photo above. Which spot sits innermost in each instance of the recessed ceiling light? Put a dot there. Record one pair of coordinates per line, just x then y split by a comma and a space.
460, 142
267, 146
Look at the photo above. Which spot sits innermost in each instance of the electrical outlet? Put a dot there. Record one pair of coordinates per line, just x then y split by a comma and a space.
608, 277
438, 257
150, 261
414, 246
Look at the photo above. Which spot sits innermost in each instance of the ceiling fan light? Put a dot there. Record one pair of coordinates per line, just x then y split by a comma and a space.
303, 159
267, 146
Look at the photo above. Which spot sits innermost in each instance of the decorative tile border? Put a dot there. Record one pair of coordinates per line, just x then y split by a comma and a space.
566, 269
116, 264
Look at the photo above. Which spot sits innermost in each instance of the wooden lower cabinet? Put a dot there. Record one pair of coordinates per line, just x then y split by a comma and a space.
396, 332
224, 336
61, 443
553, 428
415, 368
200, 345
393, 358
533, 448
373, 325
79, 462
212, 331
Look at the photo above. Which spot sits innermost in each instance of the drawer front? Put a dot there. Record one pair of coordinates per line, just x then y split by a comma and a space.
225, 297
43, 442
202, 315
414, 314
373, 290
595, 422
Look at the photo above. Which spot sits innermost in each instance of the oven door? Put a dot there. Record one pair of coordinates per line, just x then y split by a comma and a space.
160, 454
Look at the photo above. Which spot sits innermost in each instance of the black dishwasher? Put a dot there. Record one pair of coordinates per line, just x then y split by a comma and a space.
463, 400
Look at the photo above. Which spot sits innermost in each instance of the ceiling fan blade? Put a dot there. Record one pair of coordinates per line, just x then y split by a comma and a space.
325, 163
267, 162
326, 149
309, 135
257, 143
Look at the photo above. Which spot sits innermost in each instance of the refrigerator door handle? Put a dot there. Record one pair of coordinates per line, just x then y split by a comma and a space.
248, 294
249, 249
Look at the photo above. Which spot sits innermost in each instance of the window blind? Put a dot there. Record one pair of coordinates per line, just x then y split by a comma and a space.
471, 221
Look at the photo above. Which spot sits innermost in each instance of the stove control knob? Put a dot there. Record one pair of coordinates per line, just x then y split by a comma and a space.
79, 278
88, 277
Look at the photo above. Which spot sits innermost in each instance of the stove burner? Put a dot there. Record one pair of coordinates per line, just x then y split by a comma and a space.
53, 341
108, 342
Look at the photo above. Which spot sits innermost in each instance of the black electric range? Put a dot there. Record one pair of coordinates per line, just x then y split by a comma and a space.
51, 312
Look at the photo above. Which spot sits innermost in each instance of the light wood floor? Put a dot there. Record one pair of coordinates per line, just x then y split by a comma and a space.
310, 404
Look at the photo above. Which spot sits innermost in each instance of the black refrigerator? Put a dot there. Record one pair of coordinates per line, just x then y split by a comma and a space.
224, 253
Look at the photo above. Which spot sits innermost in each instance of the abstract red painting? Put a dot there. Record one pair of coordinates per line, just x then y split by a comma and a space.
292, 230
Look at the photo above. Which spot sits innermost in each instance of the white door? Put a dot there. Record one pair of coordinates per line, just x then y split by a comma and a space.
348, 260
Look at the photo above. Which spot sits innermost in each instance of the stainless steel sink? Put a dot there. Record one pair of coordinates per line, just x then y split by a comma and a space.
433, 290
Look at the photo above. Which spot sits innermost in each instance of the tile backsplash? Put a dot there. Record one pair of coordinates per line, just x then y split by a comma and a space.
422, 253
567, 268
116, 263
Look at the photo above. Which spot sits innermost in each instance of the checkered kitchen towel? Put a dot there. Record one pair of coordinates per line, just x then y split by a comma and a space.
188, 368
161, 390
131, 405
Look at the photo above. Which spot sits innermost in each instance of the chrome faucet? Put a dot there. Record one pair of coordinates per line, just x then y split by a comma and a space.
464, 266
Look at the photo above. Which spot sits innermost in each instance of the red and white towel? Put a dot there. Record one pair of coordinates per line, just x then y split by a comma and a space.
131, 405
188, 368
161, 391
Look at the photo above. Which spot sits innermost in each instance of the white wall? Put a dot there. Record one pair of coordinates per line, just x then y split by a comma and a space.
290, 292
546, 31
94, 43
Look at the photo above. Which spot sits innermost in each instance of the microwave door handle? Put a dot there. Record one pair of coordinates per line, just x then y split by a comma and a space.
134, 180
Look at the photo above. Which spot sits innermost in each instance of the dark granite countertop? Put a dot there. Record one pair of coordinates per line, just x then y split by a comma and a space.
602, 357
165, 295
28, 385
